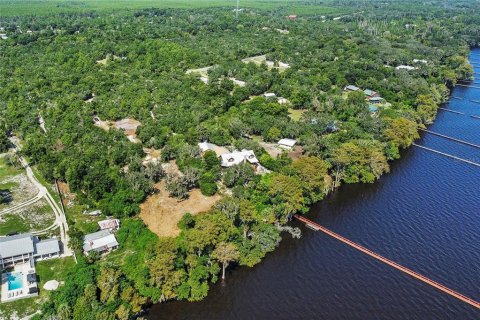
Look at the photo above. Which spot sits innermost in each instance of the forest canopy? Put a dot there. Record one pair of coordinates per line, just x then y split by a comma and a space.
81, 70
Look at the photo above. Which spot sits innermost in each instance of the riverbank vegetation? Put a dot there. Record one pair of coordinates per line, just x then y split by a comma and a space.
409, 54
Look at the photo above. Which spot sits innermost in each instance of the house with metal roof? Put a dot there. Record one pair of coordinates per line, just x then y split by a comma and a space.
351, 87
238, 157
370, 93
46, 249
109, 224
16, 249
287, 143
101, 241
22, 248
375, 100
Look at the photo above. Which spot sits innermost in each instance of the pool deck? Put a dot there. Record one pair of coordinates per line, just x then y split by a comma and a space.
23, 292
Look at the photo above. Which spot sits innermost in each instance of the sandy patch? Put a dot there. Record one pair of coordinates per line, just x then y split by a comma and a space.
161, 213
258, 60
296, 153
129, 126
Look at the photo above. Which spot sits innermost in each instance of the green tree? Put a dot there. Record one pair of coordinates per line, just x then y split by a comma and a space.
225, 252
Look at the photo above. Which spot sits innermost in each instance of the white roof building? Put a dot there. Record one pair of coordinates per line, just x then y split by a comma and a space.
420, 61
206, 146
101, 241
282, 100
238, 157
269, 95
404, 67
109, 224
351, 87
287, 143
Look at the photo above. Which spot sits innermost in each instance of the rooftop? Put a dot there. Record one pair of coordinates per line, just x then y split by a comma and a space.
287, 142
48, 246
237, 157
16, 245
351, 87
100, 240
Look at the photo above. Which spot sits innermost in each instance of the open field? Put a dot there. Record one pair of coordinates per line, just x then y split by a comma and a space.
14, 184
35, 217
45, 7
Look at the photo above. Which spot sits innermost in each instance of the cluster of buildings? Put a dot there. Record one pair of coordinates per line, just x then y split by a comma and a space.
232, 158
372, 97
102, 241
19, 252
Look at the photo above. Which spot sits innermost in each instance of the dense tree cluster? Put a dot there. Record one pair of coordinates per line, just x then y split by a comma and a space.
75, 68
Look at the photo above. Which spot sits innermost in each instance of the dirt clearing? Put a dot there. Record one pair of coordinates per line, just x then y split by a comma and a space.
161, 213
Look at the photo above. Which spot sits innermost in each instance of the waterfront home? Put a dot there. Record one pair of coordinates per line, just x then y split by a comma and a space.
206, 146
16, 249
351, 88
24, 247
370, 93
375, 100
238, 157
46, 249
109, 224
287, 143
101, 241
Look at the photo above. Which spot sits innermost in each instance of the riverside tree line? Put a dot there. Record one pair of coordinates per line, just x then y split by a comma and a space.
53, 71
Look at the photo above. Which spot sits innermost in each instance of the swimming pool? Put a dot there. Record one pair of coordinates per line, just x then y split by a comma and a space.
15, 281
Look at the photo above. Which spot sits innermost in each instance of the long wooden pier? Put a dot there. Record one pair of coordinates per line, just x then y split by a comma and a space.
391, 263
447, 155
451, 138
452, 111
468, 86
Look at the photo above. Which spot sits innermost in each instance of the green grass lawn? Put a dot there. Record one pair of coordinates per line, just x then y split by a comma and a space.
44, 7
6, 170
35, 217
55, 269
295, 115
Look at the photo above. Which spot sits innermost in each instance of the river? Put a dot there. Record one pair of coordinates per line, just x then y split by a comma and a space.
424, 215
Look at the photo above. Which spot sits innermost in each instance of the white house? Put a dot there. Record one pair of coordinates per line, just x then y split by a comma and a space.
287, 143
238, 157
206, 146
282, 100
404, 67
109, 224
420, 61
101, 241
269, 95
